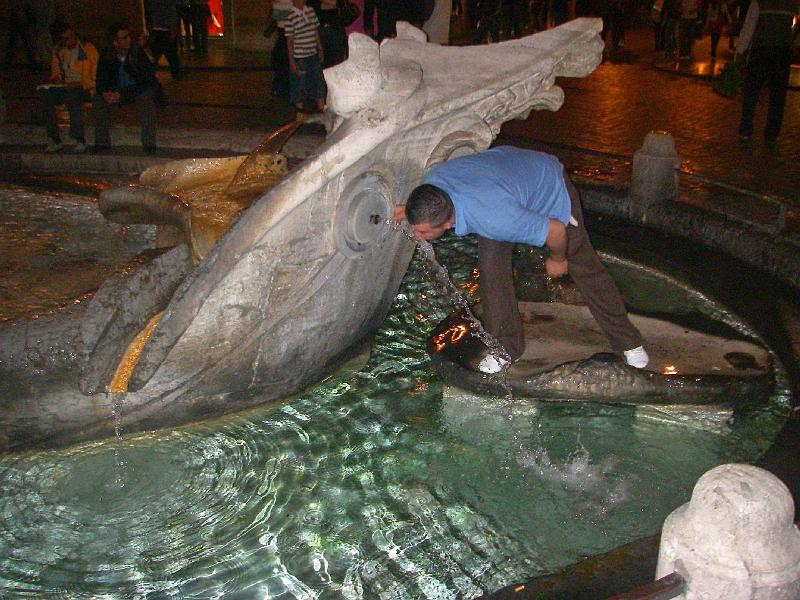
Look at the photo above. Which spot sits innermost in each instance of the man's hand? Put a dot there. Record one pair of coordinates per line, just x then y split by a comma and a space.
111, 97
556, 268
293, 67
400, 213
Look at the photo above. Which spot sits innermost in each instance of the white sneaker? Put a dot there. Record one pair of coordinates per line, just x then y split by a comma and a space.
637, 357
492, 364
79, 148
53, 146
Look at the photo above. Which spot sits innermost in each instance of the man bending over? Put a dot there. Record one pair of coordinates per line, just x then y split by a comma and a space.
508, 195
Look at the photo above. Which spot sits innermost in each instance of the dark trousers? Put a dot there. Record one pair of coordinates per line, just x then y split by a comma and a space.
145, 108
334, 42
500, 312
74, 98
164, 43
488, 22
280, 67
308, 82
767, 66
200, 16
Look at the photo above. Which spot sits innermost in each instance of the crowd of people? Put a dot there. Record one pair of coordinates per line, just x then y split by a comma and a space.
123, 73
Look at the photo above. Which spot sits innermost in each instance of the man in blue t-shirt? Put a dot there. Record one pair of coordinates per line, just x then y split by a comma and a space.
508, 195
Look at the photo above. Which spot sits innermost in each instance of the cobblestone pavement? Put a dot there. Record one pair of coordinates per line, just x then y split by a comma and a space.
604, 119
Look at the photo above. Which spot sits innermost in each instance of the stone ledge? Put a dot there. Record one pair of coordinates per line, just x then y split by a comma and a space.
300, 146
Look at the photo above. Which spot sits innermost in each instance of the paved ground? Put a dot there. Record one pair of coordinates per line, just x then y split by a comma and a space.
604, 119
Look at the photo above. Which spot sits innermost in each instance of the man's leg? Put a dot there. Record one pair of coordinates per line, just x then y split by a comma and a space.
751, 87
778, 81
146, 109
596, 285
500, 312
74, 99
102, 137
50, 98
170, 49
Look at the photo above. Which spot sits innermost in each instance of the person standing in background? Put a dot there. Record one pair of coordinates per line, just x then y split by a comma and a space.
331, 31
766, 40
717, 17
22, 27
162, 23
279, 58
200, 14
185, 23
306, 56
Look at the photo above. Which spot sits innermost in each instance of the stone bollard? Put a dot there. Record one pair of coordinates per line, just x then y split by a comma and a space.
654, 179
735, 538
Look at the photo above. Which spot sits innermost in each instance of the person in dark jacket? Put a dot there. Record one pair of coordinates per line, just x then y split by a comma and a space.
125, 75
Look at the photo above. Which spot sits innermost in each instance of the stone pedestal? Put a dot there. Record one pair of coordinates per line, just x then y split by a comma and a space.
654, 179
735, 538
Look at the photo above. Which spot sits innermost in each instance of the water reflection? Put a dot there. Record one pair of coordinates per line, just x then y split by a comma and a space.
373, 484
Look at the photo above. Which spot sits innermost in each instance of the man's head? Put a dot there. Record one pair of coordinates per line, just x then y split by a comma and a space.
120, 37
429, 211
64, 35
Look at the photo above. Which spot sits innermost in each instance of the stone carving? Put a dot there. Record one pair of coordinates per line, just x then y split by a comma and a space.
310, 269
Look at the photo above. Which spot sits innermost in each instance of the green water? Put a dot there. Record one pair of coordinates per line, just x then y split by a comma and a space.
374, 484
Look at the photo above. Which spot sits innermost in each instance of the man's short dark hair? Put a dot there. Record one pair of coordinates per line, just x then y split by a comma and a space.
115, 28
57, 29
429, 204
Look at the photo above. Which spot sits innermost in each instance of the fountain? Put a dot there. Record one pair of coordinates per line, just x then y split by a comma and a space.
371, 484
291, 289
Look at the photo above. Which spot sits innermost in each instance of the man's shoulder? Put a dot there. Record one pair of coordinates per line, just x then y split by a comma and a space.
90, 49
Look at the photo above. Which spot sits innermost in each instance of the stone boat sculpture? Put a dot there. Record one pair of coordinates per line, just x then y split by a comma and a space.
310, 269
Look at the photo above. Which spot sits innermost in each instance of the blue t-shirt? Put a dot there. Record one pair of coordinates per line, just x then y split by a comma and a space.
505, 194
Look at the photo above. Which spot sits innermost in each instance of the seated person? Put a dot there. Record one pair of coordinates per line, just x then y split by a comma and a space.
72, 76
125, 75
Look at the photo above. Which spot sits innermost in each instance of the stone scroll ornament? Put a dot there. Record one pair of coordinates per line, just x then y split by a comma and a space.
310, 269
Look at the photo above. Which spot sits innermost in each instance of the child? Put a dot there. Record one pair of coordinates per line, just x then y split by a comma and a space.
305, 56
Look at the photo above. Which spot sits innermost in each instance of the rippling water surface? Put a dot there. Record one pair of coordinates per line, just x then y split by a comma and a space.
374, 484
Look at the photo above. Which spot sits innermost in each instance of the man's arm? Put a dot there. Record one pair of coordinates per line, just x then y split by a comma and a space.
556, 264
748, 29
290, 51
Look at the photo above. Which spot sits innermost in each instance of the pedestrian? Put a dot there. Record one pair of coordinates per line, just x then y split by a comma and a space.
508, 195
738, 12
766, 41
687, 29
717, 17
331, 31
22, 27
670, 18
72, 80
279, 58
200, 13
614, 23
125, 75
379, 19
185, 24
306, 56
488, 22
162, 23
